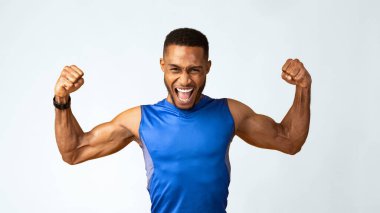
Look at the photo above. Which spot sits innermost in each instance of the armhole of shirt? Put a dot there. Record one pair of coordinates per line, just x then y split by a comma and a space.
230, 115
142, 108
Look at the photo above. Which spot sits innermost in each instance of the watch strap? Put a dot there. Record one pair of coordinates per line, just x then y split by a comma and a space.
62, 106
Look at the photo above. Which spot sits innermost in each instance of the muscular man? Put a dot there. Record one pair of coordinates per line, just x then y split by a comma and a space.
185, 137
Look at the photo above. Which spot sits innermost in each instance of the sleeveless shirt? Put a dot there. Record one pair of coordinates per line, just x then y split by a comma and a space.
186, 155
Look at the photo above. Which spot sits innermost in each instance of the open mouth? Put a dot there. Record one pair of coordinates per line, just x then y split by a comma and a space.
184, 94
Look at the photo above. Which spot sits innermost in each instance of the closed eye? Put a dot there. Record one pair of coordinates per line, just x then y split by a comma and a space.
194, 70
174, 69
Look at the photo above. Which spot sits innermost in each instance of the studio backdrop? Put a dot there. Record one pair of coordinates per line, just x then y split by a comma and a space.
118, 45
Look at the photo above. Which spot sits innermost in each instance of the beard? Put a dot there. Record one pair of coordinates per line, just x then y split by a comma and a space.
197, 96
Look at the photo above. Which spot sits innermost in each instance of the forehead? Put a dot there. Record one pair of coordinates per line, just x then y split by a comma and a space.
184, 54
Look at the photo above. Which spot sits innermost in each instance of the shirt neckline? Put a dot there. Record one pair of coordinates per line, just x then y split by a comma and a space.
202, 101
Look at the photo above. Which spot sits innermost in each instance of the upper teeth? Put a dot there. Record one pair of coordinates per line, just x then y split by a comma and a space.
185, 90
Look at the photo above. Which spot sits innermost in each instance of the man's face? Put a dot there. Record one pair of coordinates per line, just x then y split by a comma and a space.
185, 69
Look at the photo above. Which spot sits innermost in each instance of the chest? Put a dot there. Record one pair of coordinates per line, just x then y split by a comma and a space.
169, 137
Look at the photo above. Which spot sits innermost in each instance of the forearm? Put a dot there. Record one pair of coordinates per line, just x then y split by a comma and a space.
67, 129
297, 120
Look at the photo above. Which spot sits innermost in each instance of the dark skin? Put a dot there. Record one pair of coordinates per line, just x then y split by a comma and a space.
184, 68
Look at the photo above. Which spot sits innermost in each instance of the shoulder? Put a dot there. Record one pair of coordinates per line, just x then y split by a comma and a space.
129, 114
239, 111
237, 107
129, 119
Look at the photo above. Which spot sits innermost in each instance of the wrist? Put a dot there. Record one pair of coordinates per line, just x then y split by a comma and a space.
61, 103
303, 87
61, 100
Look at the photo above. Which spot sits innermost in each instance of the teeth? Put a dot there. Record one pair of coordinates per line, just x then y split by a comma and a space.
183, 100
185, 90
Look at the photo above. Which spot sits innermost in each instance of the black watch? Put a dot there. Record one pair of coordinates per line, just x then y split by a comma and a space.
62, 106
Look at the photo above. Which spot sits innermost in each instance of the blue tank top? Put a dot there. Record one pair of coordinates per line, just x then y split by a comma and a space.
186, 155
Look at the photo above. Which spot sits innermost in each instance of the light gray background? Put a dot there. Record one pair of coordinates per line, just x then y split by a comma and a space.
118, 45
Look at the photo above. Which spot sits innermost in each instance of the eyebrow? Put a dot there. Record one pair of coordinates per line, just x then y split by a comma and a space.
191, 66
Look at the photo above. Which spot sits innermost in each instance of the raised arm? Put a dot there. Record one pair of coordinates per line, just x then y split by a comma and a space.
74, 144
287, 136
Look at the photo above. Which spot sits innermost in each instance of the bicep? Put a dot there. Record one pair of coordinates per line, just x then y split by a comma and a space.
105, 139
92, 152
104, 134
262, 131
257, 129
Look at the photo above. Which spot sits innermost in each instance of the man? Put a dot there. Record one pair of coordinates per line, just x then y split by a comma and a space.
185, 137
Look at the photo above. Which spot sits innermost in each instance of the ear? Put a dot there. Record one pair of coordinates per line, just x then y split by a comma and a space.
208, 66
162, 64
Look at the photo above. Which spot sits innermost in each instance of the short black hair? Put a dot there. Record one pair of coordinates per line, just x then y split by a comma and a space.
187, 37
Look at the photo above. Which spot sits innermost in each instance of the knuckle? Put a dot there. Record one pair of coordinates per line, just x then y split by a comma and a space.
64, 72
69, 80
74, 74
62, 78
68, 77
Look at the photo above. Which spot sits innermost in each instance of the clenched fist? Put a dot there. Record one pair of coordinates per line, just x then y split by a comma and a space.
295, 73
69, 81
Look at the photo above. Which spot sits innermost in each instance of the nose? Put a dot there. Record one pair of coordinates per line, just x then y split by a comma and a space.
184, 79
